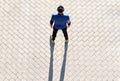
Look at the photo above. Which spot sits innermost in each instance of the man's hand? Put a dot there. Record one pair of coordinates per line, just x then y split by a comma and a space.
51, 26
69, 23
68, 26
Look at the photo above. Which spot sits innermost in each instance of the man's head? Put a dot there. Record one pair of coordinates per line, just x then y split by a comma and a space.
60, 9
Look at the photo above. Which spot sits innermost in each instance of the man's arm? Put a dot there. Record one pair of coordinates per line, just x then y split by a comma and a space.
69, 23
51, 23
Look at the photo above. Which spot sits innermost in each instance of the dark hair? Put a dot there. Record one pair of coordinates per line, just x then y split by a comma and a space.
60, 9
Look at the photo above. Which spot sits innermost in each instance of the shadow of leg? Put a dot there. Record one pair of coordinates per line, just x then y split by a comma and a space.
64, 63
51, 62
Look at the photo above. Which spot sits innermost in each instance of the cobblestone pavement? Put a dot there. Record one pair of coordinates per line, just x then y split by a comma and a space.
94, 41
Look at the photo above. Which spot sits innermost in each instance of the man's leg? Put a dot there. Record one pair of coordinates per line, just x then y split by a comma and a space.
65, 34
54, 34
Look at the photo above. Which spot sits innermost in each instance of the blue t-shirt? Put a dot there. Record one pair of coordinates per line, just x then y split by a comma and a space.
60, 21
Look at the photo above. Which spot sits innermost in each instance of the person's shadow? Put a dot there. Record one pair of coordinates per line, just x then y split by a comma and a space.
62, 74
51, 61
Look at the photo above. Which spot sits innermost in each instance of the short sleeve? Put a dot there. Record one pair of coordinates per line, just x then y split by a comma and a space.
52, 18
68, 18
